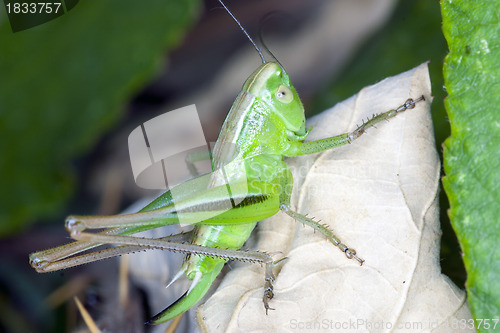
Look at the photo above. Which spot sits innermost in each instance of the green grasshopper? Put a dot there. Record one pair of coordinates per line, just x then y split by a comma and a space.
265, 124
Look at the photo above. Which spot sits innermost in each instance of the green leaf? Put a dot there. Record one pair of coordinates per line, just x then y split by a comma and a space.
472, 156
64, 83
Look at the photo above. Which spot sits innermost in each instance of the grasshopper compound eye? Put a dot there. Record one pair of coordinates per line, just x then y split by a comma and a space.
284, 94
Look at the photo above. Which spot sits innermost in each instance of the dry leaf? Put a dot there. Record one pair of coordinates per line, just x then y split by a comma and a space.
379, 195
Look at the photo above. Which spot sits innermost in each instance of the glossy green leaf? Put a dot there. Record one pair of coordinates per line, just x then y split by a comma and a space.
63, 83
472, 154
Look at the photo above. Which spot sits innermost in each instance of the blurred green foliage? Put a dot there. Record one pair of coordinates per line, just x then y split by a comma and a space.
472, 155
63, 83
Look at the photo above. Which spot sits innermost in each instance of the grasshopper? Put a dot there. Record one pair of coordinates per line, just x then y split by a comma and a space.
265, 124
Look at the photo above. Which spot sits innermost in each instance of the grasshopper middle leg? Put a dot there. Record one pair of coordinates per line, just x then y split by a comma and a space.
349, 252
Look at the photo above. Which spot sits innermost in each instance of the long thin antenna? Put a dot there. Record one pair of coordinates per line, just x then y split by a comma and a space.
261, 38
245, 32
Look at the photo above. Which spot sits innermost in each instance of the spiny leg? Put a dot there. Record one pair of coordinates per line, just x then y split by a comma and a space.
145, 243
317, 146
268, 286
43, 260
350, 253
40, 259
409, 104
43, 265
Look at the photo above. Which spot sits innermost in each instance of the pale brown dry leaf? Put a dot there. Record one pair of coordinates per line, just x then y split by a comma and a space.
379, 195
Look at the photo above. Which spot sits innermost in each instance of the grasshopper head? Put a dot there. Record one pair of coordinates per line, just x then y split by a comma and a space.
271, 84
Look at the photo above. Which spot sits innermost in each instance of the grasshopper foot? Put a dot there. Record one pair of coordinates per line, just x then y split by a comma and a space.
268, 295
268, 287
351, 254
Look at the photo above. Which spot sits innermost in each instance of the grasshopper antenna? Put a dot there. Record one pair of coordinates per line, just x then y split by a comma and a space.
261, 38
245, 32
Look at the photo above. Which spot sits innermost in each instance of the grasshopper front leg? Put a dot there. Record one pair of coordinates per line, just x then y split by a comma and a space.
305, 148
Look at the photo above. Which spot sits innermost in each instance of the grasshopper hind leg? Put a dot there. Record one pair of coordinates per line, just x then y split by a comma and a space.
201, 285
